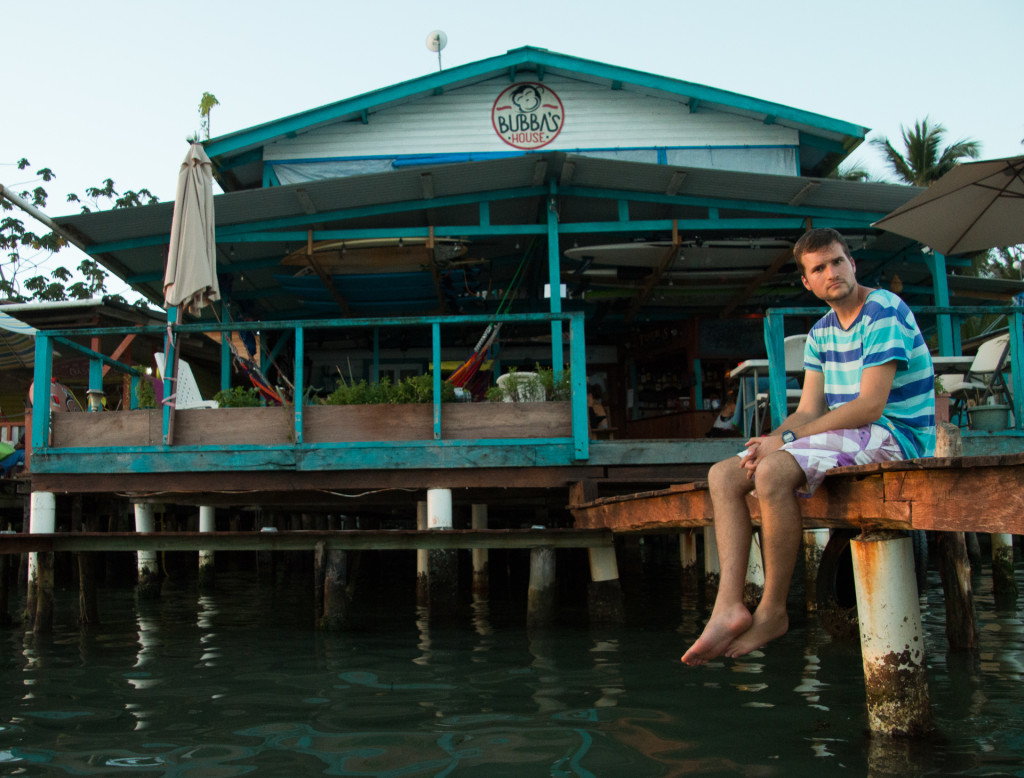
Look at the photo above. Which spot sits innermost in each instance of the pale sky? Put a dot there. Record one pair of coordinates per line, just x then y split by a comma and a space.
111, 89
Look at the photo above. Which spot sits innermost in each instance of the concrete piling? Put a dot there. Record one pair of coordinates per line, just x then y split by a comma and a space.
753, 587
148, 584
442, 564
891, 635
207, 523
42, 519
605, 589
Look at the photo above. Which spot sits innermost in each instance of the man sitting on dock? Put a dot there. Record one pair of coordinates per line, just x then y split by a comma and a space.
868, 396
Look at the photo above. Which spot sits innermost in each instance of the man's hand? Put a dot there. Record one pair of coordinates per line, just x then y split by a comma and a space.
757, 449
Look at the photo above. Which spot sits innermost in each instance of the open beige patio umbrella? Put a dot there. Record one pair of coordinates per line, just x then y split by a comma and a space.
975, 206
190, 280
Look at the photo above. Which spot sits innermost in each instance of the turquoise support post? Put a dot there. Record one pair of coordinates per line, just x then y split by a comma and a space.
578, 383
698, 386
376, 356
225, 348
133, 400
940, 291
41, 390
554, 280
436, 337
1017, 367
774, 333
300, 391
95, 385
172, 319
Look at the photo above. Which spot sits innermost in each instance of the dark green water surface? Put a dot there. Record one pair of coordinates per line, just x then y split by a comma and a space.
238, 682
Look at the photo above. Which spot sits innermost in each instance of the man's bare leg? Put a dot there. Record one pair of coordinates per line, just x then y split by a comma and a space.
778, 475
728, 484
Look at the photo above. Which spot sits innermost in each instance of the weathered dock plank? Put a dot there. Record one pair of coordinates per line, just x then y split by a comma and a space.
952, 494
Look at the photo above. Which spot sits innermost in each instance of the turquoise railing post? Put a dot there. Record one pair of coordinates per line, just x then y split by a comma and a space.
41, 391
774, 334
298, 399
95, 386
436, 338
172, 319
554, 281
1017, 366
578, 384
133, 401
698, 386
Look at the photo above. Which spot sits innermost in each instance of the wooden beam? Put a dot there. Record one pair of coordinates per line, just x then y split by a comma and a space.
325, 277
297, 540
780, 259
119, 351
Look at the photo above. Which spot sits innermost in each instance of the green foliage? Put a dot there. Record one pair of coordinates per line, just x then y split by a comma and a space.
19, 243
238, 397
145, 394
524, 387
923, 159
411, 390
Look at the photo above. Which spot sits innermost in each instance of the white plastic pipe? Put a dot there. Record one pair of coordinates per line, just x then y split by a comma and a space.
145, 521
207, 523
439, 508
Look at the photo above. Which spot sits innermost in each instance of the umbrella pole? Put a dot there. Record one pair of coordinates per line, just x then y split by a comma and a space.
170, 373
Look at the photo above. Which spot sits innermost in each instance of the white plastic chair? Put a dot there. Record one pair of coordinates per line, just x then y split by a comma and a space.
793, 347
986, 374
186, 395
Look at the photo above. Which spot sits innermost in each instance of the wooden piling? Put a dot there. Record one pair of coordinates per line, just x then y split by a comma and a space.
1004, 583
687, 550
481, 583
954, 562
712, 572
605, 590
88, 607
422, 558
43, 621
815, 541
541, 596
891, 635
148, 584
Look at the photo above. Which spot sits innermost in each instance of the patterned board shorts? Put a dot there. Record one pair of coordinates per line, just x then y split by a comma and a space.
816, 454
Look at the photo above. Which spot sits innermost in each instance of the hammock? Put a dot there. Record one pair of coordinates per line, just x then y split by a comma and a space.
468, 369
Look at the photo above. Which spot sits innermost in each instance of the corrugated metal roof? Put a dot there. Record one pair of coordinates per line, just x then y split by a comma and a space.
133, 241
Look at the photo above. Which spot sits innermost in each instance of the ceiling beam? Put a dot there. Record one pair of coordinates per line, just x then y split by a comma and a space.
780, 259
325, 277
652, 280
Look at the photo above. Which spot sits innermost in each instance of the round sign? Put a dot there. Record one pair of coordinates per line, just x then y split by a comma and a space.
527, 115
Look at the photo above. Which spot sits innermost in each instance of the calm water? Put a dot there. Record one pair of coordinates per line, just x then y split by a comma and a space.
239, 683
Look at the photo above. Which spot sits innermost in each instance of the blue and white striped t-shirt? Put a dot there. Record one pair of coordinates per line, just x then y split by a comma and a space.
885, 330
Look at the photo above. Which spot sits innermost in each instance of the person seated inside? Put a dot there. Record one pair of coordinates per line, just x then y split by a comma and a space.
725, 425
596, 412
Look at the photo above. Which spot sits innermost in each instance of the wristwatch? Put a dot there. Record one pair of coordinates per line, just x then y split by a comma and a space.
788, 436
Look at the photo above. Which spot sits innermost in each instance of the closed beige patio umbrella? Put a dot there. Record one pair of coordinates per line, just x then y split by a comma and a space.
975, 206
190, 279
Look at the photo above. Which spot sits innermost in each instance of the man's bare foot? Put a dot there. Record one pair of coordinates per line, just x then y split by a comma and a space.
763, 628
719, 633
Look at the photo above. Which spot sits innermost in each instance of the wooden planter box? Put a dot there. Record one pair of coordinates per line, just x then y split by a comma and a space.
321, 424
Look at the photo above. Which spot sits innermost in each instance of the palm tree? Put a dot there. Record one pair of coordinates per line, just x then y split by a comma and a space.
923, 160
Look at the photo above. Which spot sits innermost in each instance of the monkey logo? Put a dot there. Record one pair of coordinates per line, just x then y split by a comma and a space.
527, 115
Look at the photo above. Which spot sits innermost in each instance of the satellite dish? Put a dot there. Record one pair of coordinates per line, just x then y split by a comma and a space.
437, 40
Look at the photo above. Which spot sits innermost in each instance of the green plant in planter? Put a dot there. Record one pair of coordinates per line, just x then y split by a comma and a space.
554, 389
520, 387
145, 394
238, 397
410, 390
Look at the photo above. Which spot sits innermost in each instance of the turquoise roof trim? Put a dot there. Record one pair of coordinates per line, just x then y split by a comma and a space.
514, 61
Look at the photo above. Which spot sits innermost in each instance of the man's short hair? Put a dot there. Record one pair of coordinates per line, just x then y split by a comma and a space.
815, 240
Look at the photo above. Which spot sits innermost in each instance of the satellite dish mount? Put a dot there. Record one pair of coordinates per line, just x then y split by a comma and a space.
436, 41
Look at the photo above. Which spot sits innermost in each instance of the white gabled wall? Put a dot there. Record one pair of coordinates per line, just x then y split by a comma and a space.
596, 119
